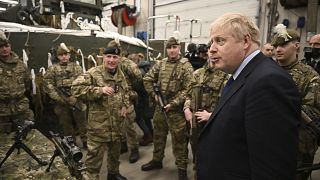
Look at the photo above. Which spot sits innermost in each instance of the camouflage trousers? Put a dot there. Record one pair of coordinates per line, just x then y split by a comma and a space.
129, 132
176, 124
6, 125
307, 149
23, 166
72, 121
95, 157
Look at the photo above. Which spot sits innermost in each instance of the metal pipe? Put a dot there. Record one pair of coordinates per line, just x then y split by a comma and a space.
192, 22
151, 18
170, 3
137, 4
9, 2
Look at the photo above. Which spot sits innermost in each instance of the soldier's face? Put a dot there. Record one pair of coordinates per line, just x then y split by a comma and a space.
173, 51
287, 53
5, 50
111, 61
315, 41
64, 58
268, 50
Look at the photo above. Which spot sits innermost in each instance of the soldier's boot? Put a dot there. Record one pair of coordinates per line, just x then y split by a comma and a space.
116, 177
146, 139
152, 165
124, 147
134, 155
182, 174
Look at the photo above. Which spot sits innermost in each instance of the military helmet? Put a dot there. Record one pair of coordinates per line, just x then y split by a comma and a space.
284, 35
113, 47
62, 49
172, 41
3, 39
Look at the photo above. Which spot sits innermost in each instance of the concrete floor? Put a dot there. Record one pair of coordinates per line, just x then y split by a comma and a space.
133, 171
169, 170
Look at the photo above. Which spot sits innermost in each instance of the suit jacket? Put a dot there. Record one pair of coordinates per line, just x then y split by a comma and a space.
253, 132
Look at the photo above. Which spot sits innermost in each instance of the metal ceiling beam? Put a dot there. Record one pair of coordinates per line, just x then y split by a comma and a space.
10, 2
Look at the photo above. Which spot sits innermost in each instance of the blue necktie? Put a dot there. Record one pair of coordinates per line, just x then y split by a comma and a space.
228, 84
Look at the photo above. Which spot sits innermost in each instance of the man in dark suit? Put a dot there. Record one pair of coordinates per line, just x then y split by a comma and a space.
253, 132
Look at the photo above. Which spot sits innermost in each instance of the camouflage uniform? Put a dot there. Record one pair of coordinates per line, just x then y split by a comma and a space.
60, 76
104, 121
14, 105
308, 82
173, 77
133, 77
203, 94
14, 82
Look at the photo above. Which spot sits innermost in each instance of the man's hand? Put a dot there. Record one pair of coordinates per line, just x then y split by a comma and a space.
72, 100
188, 116
167, 107
107, 90
202, 115
156, 98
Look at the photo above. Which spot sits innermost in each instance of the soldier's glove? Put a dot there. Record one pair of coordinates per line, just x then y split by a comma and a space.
72, 100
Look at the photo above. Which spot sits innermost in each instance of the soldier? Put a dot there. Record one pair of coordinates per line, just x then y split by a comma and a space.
144, 109
315, 57
105, 88
57, 84
134, 80
315, 41
287, 44
268, 50
15, 83
173, 75
203, 94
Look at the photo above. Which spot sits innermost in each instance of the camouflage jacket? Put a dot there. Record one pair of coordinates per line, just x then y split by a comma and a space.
133, 77
308, 83
205, 89
104, 120
173, 77
60, 76
15, 80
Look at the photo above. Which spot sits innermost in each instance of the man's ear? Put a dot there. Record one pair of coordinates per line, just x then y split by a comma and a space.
247, 41
297, 44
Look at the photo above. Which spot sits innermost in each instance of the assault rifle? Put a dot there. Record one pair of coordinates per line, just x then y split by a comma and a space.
157, 91
65, 94
69, 153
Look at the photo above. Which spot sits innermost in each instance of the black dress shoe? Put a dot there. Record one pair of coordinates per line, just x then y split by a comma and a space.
116, 177
151, 165
134, 155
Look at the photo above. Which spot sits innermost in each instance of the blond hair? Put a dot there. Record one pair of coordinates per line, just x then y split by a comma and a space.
238, 25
